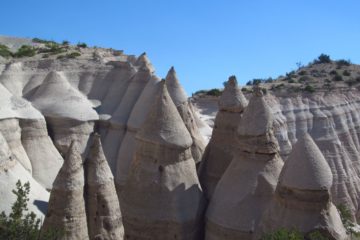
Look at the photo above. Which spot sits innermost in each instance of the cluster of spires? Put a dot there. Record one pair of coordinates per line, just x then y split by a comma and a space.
247, 187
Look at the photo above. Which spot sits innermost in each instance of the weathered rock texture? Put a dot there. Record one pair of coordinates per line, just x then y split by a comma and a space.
332, 119
162, 197
66, 210
44, 157
102, 204
302, 200
248, 184
182, 104
219, 152
136, 119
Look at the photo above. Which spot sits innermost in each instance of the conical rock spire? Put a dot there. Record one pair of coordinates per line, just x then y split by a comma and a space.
185, 109
143, 60
176, 91
220, 149
162, 173
250, 180
66, 209
164, 125
102, 204
302, 199
232, 99
306, 167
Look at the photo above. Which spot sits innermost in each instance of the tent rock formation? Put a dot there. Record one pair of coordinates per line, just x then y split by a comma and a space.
219, 151
162, 197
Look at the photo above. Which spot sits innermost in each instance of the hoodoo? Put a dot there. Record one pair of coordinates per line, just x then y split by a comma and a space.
162, 197
182, 104
68, 112
102, 204
248, 184
220, 149
118, 121
136, 119
302, 200
66, 209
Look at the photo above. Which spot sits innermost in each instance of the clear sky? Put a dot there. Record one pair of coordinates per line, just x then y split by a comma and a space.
206, 40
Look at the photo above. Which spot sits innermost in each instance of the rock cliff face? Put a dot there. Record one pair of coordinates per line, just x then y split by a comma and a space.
49, 100
332, 119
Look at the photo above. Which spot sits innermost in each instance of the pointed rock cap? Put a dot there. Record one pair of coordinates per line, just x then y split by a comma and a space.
71, 174
176, 91
164, 125
55, 97
98, 170
306, 167
143, 60
257, 118
232, 99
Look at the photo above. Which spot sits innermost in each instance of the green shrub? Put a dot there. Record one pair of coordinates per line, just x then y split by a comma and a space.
52, 48
333, 72
346, 73
323, 58
302, 73
17, 225
338, 78
82, 45
291, 80
309, 88
69, 55
200, 92
73, 55
25, 51
305, 79
65, 43
4, 51
214, 92
343, 62
38, 40
283, 234
20, 224
293, 234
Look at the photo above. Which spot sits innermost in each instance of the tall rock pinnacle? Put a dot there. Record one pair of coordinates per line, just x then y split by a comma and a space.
66, 209
220, 149
248, 184
302, 198
162, 197
102, 204
180, 99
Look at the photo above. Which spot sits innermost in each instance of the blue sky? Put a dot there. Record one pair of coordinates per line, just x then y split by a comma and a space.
206, 40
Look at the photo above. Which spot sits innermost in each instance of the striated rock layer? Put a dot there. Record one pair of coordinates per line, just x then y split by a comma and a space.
220, 149
66, 211
302, 200
102, 204
162, 197
248, 184
333, 120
